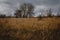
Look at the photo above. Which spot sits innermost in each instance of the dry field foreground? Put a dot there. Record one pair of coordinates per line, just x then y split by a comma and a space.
30, 28
31, 23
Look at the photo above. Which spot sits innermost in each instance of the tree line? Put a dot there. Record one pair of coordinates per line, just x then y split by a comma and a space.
26, 10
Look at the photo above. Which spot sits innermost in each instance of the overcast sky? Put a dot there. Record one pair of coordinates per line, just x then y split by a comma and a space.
9, 6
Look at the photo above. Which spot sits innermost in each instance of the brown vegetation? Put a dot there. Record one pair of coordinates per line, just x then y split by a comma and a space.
30, 28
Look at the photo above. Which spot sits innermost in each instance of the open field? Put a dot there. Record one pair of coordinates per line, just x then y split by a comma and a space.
33, 23
30, 28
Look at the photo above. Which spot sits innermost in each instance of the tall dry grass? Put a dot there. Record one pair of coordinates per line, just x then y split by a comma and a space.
30, 29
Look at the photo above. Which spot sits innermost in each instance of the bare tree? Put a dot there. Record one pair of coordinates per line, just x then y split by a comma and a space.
26, 10
18, 13
49, 12
58, 13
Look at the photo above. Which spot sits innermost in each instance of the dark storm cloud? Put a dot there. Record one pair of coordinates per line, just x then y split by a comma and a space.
42, 2
8, 6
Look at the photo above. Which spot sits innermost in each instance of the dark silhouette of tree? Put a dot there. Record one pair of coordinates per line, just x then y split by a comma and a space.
2, 16
58, 13
25, 11
49, 12
39, 17
18, 14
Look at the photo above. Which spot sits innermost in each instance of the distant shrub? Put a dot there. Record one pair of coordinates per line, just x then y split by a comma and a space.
39, 17
2, 16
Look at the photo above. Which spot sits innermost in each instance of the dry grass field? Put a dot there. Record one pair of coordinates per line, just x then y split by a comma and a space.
30, 28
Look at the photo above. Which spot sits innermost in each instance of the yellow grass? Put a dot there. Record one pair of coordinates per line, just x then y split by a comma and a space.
30, 28
31, 23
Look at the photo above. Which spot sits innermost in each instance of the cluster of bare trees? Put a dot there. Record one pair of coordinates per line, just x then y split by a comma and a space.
25, 11
2, 16
49, 14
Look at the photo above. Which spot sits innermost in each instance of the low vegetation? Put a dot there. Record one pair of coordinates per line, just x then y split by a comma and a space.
30, 29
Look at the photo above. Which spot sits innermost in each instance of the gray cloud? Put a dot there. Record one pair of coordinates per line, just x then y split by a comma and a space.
8, 6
